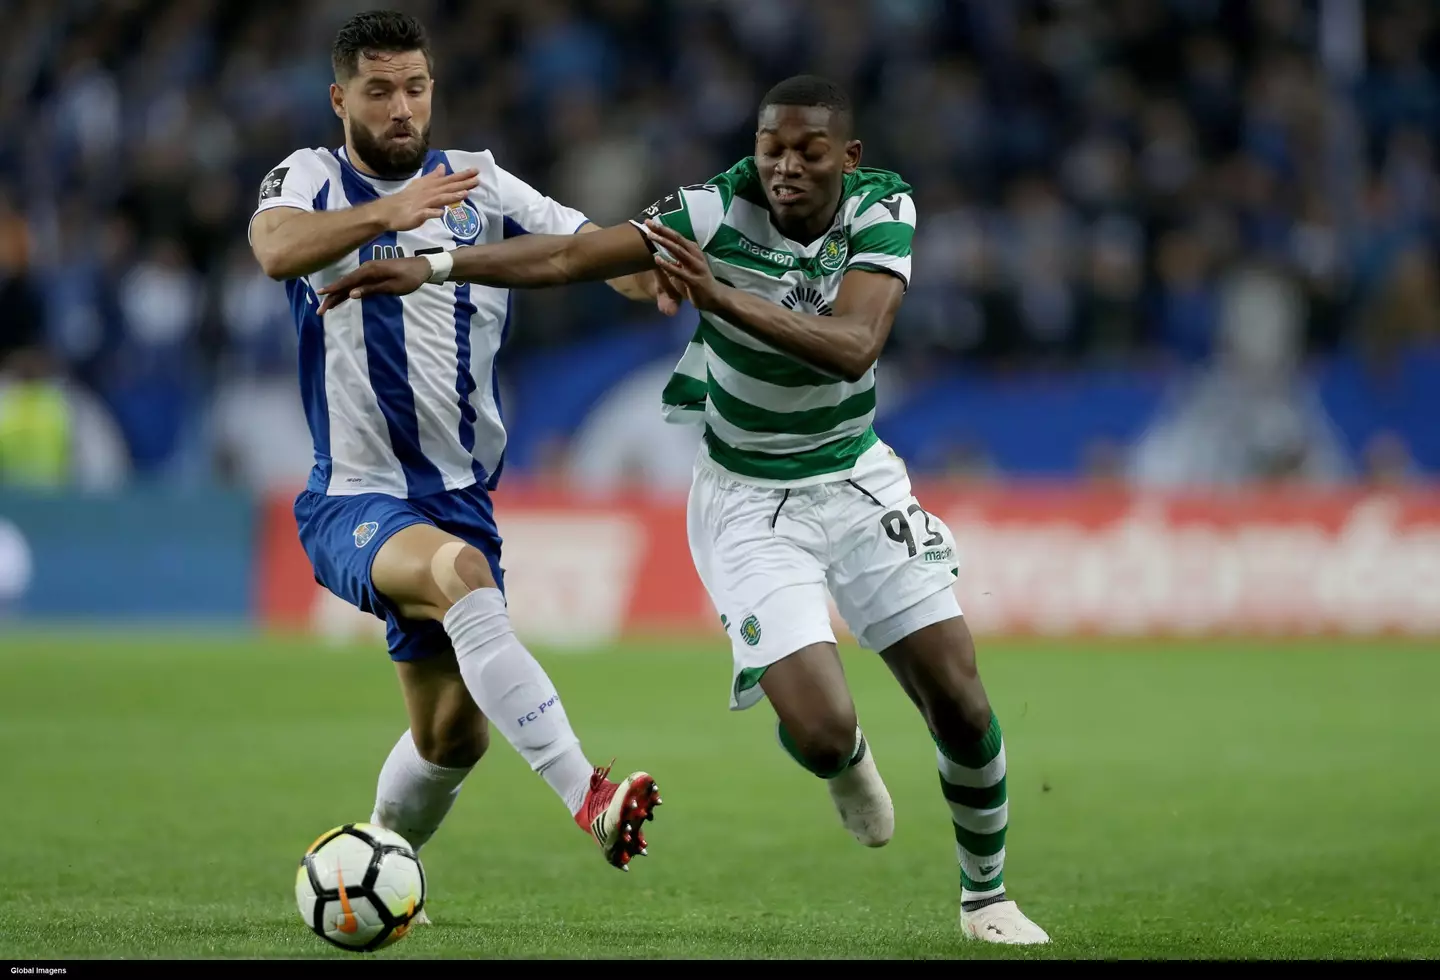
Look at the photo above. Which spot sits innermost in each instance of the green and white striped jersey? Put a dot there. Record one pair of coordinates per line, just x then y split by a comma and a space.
769, 418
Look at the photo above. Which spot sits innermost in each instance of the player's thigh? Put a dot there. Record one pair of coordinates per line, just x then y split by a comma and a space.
343, 534
763, 576
422, 570
349, 537
895, 589
892, 555
447, 726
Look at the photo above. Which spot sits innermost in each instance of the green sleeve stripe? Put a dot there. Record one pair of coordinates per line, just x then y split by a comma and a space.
886, 238
877, 185
683, 390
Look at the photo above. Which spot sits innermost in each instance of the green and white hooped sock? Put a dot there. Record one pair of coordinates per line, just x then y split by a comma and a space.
972, 777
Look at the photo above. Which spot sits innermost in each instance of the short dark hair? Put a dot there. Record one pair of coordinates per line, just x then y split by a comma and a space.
808, 90
374, 31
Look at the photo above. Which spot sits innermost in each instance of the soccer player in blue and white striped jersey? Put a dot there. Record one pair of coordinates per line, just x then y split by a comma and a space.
400, 396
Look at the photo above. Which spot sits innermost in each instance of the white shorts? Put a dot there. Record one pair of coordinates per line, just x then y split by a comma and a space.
767, 557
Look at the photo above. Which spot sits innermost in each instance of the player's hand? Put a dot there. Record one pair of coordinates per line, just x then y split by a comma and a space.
393, 276
689, 274
426, 197
668, 293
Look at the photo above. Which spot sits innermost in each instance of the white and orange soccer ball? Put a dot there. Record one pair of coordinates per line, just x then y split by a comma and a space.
360, 887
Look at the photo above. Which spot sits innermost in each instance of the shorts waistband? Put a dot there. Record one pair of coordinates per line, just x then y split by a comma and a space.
830, 484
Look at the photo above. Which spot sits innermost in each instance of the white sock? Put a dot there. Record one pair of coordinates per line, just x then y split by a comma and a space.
514, 692
413, 794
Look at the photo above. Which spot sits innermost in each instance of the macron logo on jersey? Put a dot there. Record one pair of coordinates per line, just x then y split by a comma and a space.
768, 254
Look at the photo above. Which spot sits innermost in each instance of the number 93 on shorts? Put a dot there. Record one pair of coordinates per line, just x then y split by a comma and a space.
770, 559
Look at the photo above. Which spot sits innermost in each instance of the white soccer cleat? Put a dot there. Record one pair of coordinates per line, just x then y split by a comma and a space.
863, 802
421, 919
1002, 922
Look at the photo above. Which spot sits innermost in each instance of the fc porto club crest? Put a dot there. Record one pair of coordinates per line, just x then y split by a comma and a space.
365, 532
462, 220
833, 251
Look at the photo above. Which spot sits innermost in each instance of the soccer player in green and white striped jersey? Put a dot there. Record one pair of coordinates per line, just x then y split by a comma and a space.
797, 259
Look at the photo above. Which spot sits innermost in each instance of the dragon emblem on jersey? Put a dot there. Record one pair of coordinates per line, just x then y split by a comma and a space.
833, 251
462, 220
365, 533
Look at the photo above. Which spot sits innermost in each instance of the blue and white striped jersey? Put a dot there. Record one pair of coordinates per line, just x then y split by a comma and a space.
400, 391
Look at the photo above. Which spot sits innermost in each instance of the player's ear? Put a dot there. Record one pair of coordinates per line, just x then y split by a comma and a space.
337, 100
852, 156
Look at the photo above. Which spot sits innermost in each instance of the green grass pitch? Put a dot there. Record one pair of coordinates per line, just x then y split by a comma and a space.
1201, 799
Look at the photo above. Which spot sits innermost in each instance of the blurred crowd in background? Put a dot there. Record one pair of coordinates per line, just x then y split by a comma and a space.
1226, 192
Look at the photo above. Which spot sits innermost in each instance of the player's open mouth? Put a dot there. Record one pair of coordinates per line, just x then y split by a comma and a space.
786, 194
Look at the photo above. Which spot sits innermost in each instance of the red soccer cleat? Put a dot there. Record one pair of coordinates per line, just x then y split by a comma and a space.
613, 813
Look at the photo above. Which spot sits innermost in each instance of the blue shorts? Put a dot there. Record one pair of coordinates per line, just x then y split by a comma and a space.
342, 534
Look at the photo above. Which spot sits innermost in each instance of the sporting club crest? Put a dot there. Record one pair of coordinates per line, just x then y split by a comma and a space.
833, 251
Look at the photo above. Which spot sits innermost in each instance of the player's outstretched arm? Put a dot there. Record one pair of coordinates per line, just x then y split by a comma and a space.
642, 287
289, 243
845, 344
535, 261
526, 262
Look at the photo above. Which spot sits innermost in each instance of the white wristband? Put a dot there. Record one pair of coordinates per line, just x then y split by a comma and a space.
440, 265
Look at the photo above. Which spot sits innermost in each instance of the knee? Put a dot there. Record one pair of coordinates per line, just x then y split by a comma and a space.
959, 717
458, 570
425, 578
453, 743
956, 707
826, 742
454, 571
950, 694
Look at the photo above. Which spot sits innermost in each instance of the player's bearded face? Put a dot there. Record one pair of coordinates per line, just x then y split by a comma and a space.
386, 152
386, 106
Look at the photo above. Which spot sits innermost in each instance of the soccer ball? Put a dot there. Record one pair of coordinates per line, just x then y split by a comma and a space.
359, 886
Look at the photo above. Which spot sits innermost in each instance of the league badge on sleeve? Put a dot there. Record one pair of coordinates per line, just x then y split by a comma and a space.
274, 180
669, 204
462, 221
